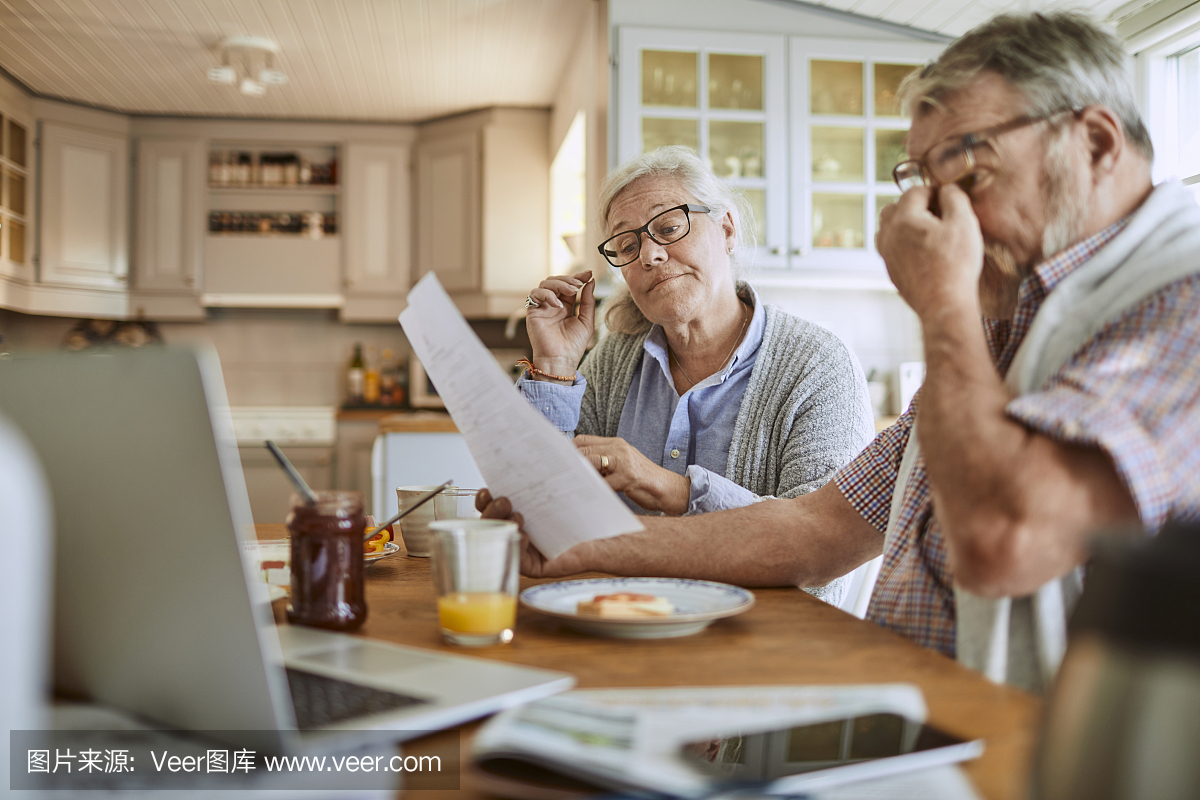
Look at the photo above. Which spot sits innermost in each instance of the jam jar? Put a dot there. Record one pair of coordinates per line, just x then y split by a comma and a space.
327, 561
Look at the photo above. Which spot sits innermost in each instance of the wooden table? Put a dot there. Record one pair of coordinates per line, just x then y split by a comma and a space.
788, 637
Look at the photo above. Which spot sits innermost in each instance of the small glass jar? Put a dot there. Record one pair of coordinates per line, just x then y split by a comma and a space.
327, 561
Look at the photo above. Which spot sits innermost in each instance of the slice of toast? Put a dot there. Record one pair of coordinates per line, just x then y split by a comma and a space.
625, 604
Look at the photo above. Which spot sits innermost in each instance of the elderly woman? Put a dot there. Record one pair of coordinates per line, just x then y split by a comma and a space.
700, 397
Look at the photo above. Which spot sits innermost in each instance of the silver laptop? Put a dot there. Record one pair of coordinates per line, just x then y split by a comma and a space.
155, 611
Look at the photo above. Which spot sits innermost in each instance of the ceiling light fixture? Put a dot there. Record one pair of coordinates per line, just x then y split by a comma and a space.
247, 62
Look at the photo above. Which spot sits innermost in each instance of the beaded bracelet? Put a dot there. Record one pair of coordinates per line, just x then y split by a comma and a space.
528, 365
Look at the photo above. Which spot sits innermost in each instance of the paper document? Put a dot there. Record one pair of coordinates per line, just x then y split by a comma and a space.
521, 456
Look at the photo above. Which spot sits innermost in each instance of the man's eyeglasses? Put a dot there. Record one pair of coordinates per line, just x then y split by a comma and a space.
666, 228
958, 159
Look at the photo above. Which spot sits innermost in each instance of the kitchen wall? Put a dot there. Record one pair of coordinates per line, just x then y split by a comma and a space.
269, 357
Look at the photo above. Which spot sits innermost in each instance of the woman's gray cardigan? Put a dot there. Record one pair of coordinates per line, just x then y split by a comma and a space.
806, 412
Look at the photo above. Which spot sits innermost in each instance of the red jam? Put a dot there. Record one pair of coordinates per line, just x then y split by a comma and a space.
327, 561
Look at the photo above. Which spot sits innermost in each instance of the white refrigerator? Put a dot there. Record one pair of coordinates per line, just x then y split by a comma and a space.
415, 459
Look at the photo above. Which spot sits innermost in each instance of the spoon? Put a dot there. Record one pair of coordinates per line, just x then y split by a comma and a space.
309, 495
419, 502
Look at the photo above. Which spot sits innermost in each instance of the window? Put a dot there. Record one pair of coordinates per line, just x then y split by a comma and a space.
1168, 80
1184, 69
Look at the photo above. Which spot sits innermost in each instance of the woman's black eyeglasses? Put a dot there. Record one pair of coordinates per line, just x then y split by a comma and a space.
666, 228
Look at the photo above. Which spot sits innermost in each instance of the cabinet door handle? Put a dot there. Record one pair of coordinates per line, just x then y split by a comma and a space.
776, 251
189, 280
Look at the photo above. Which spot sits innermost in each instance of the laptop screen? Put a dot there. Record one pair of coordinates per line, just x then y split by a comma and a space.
152, 609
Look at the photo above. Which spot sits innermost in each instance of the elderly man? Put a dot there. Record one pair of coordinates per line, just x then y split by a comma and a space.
1075, 406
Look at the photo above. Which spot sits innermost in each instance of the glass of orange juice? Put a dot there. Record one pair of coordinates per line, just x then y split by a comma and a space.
475, 569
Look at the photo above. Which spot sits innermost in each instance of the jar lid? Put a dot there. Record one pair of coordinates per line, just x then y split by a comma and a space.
1144, 593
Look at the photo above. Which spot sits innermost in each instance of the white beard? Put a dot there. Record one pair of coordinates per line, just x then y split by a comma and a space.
1066, 206
1067, 214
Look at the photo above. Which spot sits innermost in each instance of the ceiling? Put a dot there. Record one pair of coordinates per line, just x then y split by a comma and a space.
955, 17
382, 60
363, 60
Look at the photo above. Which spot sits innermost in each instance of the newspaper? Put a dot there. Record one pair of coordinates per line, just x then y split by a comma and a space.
632, 740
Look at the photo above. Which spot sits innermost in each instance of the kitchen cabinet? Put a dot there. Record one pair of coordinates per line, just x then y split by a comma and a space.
807, 129
352, 457
64, 175
84, 202
377, 231
482, 221
306, 434
847, 132
722, 95
268, 486
169, 243
272, 240
16, 194
284, 215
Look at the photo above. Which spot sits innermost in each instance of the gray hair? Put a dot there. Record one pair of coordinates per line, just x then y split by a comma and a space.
1058, 60
696, 178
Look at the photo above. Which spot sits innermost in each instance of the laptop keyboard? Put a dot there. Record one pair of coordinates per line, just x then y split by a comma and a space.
321, 701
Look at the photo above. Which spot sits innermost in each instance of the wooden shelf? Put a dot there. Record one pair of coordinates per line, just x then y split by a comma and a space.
255, 235
303, 188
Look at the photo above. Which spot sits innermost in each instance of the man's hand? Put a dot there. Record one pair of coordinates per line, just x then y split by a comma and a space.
533, 563
934, 262
640, 479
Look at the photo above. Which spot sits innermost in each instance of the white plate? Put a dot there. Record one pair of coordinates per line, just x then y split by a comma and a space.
697, 604
277, 553
389, 549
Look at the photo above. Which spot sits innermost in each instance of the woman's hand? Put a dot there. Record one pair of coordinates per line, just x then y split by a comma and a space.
533, 563
640, 479
558, 336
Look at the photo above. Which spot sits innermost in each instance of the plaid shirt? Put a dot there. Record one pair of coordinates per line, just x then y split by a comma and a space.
1133, 391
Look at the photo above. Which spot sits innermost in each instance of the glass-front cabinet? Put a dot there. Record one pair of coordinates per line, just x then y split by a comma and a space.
724, 96
847, 132
808, 129
15, 196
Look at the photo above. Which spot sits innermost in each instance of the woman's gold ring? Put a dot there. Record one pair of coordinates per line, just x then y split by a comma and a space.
530, 302
604, 465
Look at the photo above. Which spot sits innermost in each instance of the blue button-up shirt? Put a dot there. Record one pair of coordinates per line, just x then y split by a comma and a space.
689, 434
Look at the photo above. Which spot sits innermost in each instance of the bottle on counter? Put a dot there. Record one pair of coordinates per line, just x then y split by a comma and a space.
355, 376
387, 379
371, 379
401, 394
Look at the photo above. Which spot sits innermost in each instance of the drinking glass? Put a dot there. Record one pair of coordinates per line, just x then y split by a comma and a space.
475, 569
451, 503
